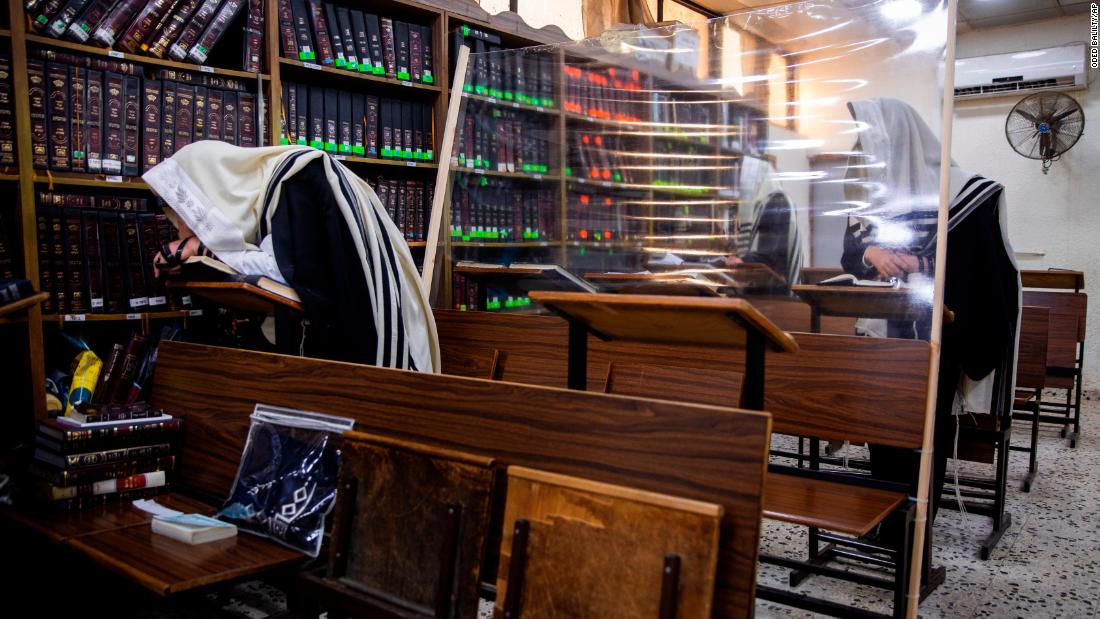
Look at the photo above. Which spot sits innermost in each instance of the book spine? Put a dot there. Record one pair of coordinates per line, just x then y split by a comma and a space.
108, 31
358, 127
254, 37
63, 18
401, 48
303, 120
332, 119
150, 125
389, 51
114, 98
45, 244
246, 119
347, 38
230, 122
57, 97
385, 121
87, 502
78, 128
289, 111
307, 52
73, 438
138, 297
287, 36
199, 132
94, 108
144, 24
107, 456
316, 117
167, 130
45, 12
185, 110
218, 25
372, 127
193, 30
131, 139
74, 267
377, 52
320, 33
343, 145
115, 292
416, 53
107, 486
335, 36
36, 91
427, 60
214, 114
147, 229
57, 259
93, 260
163, 38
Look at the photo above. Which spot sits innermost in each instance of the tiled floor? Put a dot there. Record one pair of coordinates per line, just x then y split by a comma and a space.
1046, 565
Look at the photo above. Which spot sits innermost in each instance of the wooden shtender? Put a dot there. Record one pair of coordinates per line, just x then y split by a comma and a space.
669, 284
659, 319
861, 302
238, 295
577, 548
1061, 279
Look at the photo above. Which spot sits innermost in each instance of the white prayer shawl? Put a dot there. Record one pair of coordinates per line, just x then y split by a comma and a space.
903, 158
758, 177
226, 195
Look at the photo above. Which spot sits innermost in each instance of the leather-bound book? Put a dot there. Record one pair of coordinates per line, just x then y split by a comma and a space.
200, 51
82, 27
288, 40
57, 114
114, 118
93, 260
173, 26
254, 37
191, 32
131, 138
150, 124
246, 119
93, 106
320, 33
144, 25
110, 29
335, 36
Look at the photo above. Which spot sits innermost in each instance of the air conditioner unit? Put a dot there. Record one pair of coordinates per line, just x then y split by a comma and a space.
1053, 68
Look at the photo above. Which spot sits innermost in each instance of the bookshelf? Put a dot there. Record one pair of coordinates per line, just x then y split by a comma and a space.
18, 38
641, 159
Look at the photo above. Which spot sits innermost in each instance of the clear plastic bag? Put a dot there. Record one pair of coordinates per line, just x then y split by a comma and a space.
286, 482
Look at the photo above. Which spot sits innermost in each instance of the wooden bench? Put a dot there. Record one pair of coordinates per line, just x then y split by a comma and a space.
835, 387
697, 452
1065, 355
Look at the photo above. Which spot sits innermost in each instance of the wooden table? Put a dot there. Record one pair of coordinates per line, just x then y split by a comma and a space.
661, 319
861, 302
653, 283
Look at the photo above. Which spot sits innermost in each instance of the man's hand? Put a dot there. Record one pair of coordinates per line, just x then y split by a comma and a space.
890, 264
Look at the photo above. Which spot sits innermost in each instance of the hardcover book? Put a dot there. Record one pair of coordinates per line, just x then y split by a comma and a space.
74, 267
288, 39
254, 37
107, 456
163, 38
320, 33
111, 27
361, 38
185, 110
94, 123
347, 38
426, 56
389, 49
154, 479
194, 29
358, 125
114, 97
336, 36
401, 46
57, 102
36, 92
230, 123
150, 125
200, 51
144, 25
246, 119
131, 141
126, 468
214, 117
93, 260
78, 129
199, 131
82, 26
416, 53
377, 48
167, 119
300, 9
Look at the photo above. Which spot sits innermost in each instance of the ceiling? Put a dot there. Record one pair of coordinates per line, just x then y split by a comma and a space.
973, 14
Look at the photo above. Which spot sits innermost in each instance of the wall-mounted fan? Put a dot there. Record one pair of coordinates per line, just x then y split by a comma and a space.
1045, 125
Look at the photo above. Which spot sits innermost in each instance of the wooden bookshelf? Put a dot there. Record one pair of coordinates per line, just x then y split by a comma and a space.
517, 175
443, 16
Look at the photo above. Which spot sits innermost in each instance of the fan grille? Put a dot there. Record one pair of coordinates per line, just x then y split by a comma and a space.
1045, 125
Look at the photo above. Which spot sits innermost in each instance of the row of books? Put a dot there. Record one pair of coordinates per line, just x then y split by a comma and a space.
10, 258
467, 297
78, 465
507, 75
86, 120
605, 217
177, 29
349, 39
348, 123
607, 156
96, 260
503, 141
408, 203
498, 212
607, 93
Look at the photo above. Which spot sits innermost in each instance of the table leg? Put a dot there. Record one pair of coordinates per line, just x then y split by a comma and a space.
752, 390
578, 355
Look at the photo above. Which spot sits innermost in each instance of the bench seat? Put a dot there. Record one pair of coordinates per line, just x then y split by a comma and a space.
834, 506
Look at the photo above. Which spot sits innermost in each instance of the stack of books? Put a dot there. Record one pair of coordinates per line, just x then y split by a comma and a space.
182, 31
104, 454
343, 38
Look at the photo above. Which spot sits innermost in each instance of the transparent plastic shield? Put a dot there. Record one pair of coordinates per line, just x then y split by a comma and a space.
789, 156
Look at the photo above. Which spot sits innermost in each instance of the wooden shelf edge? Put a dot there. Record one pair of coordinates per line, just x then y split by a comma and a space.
90, 180
512, 105
305, 66
134, 316
22, 304
396, 163
506, 244
520, 175
139, 59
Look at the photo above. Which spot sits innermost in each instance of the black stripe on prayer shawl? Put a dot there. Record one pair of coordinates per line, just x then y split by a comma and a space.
973, 194
276, 178
394, 272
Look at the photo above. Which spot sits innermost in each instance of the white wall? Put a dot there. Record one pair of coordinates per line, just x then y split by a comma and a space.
1058, 213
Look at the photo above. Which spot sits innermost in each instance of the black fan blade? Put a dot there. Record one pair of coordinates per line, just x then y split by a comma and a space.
1026, 115
1059, 116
